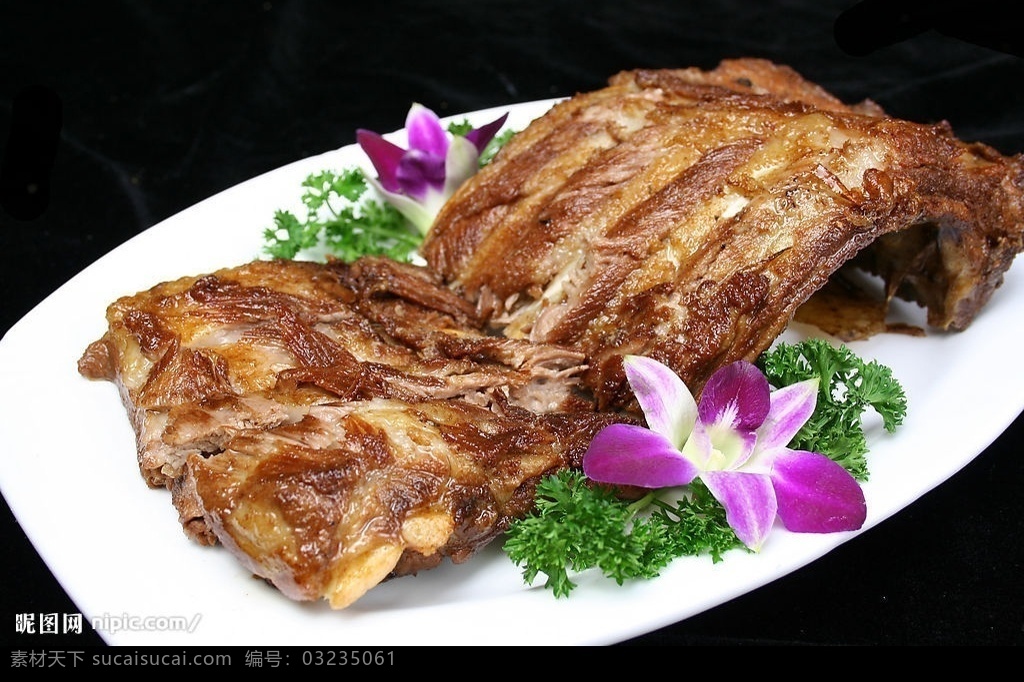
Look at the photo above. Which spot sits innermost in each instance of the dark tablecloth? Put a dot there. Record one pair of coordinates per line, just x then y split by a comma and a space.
126, 113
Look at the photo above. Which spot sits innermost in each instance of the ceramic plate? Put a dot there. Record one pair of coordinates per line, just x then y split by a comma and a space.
69, 472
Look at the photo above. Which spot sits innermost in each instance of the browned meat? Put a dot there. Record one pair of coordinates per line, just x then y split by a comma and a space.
686, 215
337, 424
363, 491
201, 358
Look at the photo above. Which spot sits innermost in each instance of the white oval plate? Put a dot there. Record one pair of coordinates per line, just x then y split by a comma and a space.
69, 472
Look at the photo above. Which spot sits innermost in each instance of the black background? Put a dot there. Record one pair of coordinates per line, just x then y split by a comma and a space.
116, 115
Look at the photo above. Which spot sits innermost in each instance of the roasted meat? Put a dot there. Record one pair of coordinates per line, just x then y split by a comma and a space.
363, 491
201, 358
337, 424
687, 214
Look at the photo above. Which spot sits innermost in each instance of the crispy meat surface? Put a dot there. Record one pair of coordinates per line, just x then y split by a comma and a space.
360, 492
335, 425
199, 359
688, 214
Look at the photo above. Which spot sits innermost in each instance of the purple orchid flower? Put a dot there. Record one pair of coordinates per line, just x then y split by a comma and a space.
418, 180
735, 441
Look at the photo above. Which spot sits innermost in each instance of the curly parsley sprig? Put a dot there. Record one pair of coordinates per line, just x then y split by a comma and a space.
849, 387
342, 217
578, 525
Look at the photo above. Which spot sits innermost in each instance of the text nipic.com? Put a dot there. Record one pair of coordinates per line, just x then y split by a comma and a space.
112, 623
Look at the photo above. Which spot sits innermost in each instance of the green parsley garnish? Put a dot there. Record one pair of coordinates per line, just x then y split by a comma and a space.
578, 525
849, 387
344, 219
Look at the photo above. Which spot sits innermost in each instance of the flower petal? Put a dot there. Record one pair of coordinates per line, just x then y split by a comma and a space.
485, 133
425, 131
461, 163
419, 172
420, 214
384, 155
698, 447
791, 407
666, 401
738, 395
816, 494
749, 502
632, 455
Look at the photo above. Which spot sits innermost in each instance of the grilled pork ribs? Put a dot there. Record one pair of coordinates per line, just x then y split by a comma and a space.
687, 214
